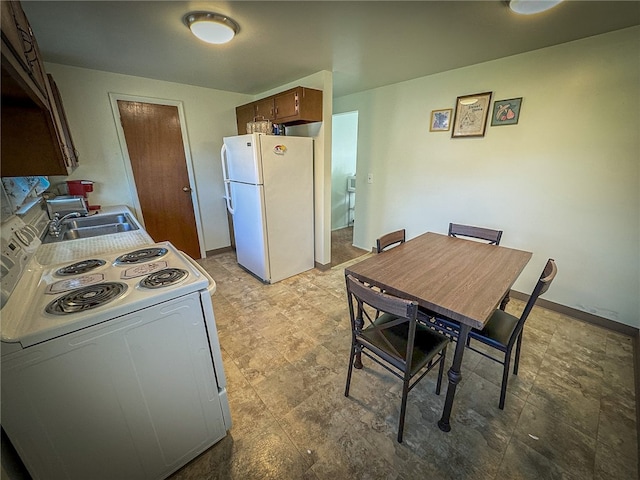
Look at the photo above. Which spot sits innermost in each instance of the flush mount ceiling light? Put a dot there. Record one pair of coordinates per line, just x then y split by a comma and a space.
211, 27
529, 7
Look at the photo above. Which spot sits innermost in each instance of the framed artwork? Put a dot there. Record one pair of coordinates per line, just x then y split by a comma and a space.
472, 112
506, 112
440, 120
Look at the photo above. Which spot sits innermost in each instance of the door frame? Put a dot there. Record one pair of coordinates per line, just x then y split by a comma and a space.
113, 98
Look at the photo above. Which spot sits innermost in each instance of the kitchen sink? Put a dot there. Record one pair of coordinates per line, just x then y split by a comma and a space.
86, 232
86, 227
99, 220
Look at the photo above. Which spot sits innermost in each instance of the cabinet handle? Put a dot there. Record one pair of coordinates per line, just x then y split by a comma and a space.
186, 189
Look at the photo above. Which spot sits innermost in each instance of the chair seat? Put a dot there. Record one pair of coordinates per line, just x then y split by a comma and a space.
497, 331
392, 341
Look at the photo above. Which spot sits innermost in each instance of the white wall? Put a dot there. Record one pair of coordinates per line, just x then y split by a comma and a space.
563, 183
210, 115
343, 164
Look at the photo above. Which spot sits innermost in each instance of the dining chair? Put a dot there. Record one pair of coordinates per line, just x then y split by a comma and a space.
394, 340
487, 234
504, 330
389, 240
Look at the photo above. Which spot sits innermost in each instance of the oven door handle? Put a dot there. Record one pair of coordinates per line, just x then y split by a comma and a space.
212, 283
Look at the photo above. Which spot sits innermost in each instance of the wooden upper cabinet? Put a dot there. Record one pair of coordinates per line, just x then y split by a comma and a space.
291, 107
69, 151
298, 105
35, 135
19, 38
245, 114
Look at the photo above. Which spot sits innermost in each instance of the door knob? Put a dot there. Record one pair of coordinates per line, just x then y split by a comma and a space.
186, 189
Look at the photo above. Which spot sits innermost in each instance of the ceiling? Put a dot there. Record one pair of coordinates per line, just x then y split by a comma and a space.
366, 44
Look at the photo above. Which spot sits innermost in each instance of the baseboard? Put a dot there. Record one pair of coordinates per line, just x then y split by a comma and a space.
323, 267
219, 250
580, 315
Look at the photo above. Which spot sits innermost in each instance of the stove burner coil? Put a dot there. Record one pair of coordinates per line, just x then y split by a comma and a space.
142, 255
163, 278
86, 298
80, 267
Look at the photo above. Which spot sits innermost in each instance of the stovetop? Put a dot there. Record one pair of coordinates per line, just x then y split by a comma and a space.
55, 300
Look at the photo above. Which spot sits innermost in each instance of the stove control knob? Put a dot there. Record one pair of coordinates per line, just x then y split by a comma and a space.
25, 237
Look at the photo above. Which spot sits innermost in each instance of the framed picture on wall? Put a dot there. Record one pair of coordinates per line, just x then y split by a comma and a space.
506, 112
440, 120
472, 112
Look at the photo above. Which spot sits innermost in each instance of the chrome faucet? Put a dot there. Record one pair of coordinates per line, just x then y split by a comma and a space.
55, 224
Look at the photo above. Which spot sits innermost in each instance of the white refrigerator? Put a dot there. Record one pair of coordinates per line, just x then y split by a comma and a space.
269, 193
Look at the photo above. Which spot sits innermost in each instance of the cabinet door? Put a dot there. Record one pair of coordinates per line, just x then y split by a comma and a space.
68, 148
264, 109
286, 105
298, 105
24, 42
244, 114
10, 30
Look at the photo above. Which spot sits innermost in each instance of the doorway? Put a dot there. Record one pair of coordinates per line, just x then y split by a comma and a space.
153, 140
344, 150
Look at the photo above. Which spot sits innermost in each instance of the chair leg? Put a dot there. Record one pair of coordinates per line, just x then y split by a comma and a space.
403, 408
505, 379
516, 361
350, 371
441, 370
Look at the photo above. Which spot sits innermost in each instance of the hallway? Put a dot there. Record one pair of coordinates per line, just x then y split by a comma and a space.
342, 249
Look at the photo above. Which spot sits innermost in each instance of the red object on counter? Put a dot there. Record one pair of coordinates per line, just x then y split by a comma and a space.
82, 187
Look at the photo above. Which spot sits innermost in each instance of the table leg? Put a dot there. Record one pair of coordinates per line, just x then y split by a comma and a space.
454, 377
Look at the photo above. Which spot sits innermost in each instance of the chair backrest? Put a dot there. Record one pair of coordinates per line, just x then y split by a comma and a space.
547, 276
389, 240
487, 234
366, 305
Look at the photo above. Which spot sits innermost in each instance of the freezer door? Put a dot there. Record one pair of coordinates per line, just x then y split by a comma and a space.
242, 159
249, 228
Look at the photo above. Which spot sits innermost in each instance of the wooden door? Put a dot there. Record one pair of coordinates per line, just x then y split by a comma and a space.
156, 150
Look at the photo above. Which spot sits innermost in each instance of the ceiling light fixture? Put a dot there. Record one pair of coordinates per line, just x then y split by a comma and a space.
529, 7
211, 27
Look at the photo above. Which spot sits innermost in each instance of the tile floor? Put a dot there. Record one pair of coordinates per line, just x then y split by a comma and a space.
570, 413
342, 249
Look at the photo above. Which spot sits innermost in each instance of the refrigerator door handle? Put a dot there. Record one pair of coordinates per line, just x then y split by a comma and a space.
225, 177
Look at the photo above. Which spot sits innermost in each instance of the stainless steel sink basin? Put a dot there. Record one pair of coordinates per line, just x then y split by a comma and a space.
99, 220
86, 232
86, 227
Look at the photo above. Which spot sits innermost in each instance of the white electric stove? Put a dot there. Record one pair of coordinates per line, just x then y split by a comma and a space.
111, 364
60, 299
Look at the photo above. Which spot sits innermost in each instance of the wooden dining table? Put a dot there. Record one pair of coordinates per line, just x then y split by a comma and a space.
455, 278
